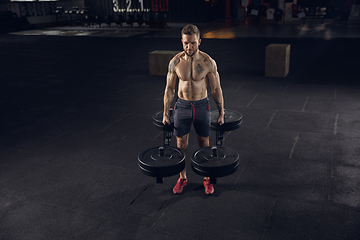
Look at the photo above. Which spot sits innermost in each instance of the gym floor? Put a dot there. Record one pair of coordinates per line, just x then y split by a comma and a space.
76, 111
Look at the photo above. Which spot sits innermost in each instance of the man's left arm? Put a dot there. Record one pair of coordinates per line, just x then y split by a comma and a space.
216, 91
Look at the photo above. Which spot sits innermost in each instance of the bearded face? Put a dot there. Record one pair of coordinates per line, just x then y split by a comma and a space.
190, 44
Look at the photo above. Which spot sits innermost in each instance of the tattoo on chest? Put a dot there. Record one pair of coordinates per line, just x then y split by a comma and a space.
199, 69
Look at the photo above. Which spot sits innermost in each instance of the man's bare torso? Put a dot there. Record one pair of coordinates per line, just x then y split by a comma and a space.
192, 75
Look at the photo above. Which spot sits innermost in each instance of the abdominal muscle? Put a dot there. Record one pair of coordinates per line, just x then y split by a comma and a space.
192, 90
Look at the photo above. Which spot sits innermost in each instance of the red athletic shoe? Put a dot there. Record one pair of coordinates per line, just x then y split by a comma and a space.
209, 188
181, 183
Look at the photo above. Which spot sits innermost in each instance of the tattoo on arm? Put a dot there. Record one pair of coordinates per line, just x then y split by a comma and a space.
199, 69
173, 64
219, 105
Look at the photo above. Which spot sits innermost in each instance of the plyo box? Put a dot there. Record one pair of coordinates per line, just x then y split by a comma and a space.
277, 60
159, 61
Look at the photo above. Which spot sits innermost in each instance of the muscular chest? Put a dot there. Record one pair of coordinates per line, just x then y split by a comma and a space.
192, 70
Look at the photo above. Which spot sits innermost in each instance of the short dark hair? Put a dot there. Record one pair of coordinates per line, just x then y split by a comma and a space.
190, 29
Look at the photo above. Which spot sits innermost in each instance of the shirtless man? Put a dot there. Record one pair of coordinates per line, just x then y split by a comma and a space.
193, 70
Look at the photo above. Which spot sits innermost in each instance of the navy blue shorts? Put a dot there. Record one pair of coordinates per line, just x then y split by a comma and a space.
192, 112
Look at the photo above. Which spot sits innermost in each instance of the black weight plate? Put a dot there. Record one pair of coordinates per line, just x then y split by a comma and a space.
158, 118
204, 162
153, 164
232, 120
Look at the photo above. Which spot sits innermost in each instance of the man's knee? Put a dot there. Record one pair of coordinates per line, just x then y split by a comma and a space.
182, 143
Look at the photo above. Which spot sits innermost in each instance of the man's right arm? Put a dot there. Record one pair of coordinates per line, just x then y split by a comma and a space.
170, 89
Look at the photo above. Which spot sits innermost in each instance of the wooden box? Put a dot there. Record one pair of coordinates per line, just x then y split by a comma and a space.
277, 60
159, 61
